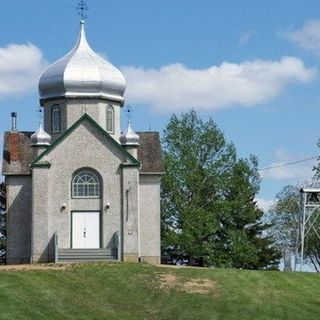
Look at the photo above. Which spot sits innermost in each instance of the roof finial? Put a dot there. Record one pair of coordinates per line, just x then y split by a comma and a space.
128, 110
82, 8
39, 114
129, 137
40, 138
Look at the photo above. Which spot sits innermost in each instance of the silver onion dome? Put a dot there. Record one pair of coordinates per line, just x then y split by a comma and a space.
129, 137
82, 73
40, 137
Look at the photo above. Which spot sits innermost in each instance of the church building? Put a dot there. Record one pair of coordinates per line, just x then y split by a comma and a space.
78, 189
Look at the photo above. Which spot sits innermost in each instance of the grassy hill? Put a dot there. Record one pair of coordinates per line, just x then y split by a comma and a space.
133, 291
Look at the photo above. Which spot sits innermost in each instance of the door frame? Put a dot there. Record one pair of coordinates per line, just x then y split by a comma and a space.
100, 225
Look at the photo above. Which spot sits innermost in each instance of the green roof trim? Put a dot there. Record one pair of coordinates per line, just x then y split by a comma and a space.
44, 164
39, 145
35, 163
129, 165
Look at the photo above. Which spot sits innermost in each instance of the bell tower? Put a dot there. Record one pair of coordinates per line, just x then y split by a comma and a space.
81, 82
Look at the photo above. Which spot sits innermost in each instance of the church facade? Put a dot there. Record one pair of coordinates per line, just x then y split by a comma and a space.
77, 188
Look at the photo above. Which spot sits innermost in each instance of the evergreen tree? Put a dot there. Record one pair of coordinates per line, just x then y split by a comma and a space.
209, 216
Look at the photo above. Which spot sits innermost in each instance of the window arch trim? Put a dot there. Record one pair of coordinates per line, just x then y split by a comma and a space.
110, 119
86, 183
56, 119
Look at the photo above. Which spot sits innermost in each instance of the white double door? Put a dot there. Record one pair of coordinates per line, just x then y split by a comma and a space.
86, 230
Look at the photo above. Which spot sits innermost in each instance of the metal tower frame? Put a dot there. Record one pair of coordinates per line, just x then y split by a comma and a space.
309, 214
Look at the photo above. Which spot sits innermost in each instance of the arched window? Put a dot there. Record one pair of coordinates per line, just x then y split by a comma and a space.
86, 184
55, 119
110, 119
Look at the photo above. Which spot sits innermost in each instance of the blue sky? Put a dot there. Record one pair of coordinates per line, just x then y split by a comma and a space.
251, 65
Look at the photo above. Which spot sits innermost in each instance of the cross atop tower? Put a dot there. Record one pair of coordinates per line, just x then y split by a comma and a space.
82, 8
128, 110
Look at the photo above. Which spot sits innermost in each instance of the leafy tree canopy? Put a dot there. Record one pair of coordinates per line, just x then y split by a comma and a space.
209, 215
284, 217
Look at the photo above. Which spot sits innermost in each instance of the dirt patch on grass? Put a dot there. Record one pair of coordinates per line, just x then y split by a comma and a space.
29, 267
202, 286
173, 266
168, 281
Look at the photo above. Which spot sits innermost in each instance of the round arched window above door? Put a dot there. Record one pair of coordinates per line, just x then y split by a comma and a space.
86, 184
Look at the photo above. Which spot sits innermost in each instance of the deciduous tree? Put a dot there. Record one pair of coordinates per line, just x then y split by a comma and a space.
284, 217
209, 216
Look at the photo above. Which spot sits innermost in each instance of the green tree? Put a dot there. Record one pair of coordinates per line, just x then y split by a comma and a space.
312, 250
284, 218
209, 216
313, 245
2, 222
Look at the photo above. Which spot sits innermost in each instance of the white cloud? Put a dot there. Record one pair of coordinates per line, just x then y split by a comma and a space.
307, 37
264, 204
20, 67
302, 170
174, 86
246, 37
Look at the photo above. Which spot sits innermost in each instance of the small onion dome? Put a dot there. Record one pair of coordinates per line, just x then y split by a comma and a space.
129, 137
82, 73
40, 137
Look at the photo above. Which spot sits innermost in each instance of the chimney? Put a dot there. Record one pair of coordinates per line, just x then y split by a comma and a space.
14, 121
14, 146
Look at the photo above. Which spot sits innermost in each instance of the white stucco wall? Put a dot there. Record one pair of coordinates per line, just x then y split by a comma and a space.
85, 147
41, 238
149, 218
130, 182
73, 109
18, 219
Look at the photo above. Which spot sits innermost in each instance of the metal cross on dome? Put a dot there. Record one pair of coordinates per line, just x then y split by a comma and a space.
39, 113
82, 8
128, 110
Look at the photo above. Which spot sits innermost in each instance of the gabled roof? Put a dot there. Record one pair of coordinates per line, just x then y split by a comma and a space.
150, 153
18, 153
64, 135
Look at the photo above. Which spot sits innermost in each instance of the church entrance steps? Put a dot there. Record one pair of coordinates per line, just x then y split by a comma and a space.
77, 255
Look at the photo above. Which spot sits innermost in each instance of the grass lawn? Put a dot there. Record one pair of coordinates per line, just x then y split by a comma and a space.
135, 291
